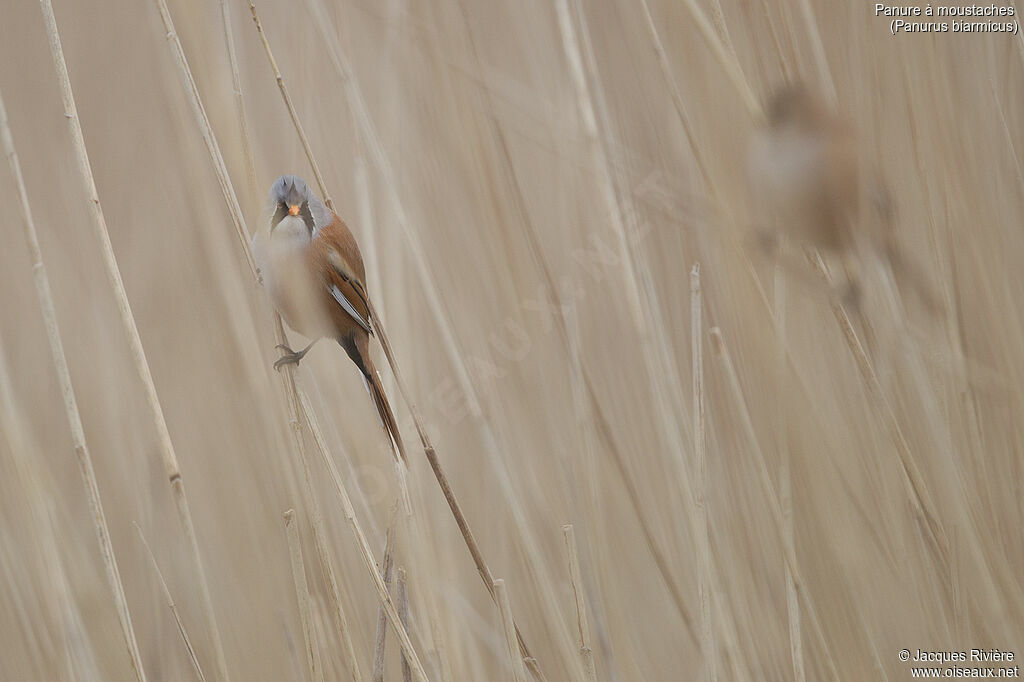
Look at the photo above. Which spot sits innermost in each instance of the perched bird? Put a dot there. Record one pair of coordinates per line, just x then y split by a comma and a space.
312, 269
808, 179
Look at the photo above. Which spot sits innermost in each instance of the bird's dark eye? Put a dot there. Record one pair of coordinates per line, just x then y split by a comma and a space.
280, 213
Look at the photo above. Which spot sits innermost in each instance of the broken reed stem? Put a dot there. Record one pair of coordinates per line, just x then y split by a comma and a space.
707, 633
659, 362
364, 547
582, 621
403, 613
293, 395
168, 455
171, 605
788, 551
382, 624
316, 671
509, 628
291, 108
60, 364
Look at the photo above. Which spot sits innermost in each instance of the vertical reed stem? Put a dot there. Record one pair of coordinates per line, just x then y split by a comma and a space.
509, 627
582, 621
316, 671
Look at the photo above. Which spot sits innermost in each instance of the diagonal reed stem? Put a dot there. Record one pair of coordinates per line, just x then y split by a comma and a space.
170, 459
429, 451
60, 364
300, 410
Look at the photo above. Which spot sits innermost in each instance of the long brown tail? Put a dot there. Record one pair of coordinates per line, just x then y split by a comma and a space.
380, 400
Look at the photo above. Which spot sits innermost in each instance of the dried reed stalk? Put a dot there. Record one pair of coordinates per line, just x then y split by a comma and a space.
788, 551
582, 622
387, 566
707, 633
300, 409
296, 417
509, 628
402, 595
171, 605
726, 58
351, 662
652, 333
168, 455
38, 493
785, 485
818, 49
362, 117
316, 671
917, 490
677, 98
291, 109
236, 88
364, 546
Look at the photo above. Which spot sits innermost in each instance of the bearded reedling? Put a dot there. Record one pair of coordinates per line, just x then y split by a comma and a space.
313, 271
807, 176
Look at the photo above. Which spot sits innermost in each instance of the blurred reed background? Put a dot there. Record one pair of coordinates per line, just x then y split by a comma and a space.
527, 152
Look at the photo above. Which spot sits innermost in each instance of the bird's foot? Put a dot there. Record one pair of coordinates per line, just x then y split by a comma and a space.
289, 356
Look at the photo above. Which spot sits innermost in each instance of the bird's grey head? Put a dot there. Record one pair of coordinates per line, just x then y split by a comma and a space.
291, 196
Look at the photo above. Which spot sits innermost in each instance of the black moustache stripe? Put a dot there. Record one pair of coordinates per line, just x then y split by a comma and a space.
307, 217
279, 214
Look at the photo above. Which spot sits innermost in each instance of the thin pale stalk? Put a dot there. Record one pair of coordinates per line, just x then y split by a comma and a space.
430, 289
403, 612
171, 605
291, 108
785, 486
707, 633
677, 98
316, 671
726, 59
582, 621
29, 477
509, 628
387, 565
53, 331
209, 139
818, 49
302, 407
365, 552
295, 421
236, 88
917, 490
788, 551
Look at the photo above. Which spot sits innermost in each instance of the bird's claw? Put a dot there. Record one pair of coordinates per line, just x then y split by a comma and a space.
289, 357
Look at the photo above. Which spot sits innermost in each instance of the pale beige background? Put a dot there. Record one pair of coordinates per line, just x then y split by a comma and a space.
939, 114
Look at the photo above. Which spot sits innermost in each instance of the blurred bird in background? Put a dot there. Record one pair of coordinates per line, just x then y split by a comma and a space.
313, 271
808, 179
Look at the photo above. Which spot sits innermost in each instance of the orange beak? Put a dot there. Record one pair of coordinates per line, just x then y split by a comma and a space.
293, 209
